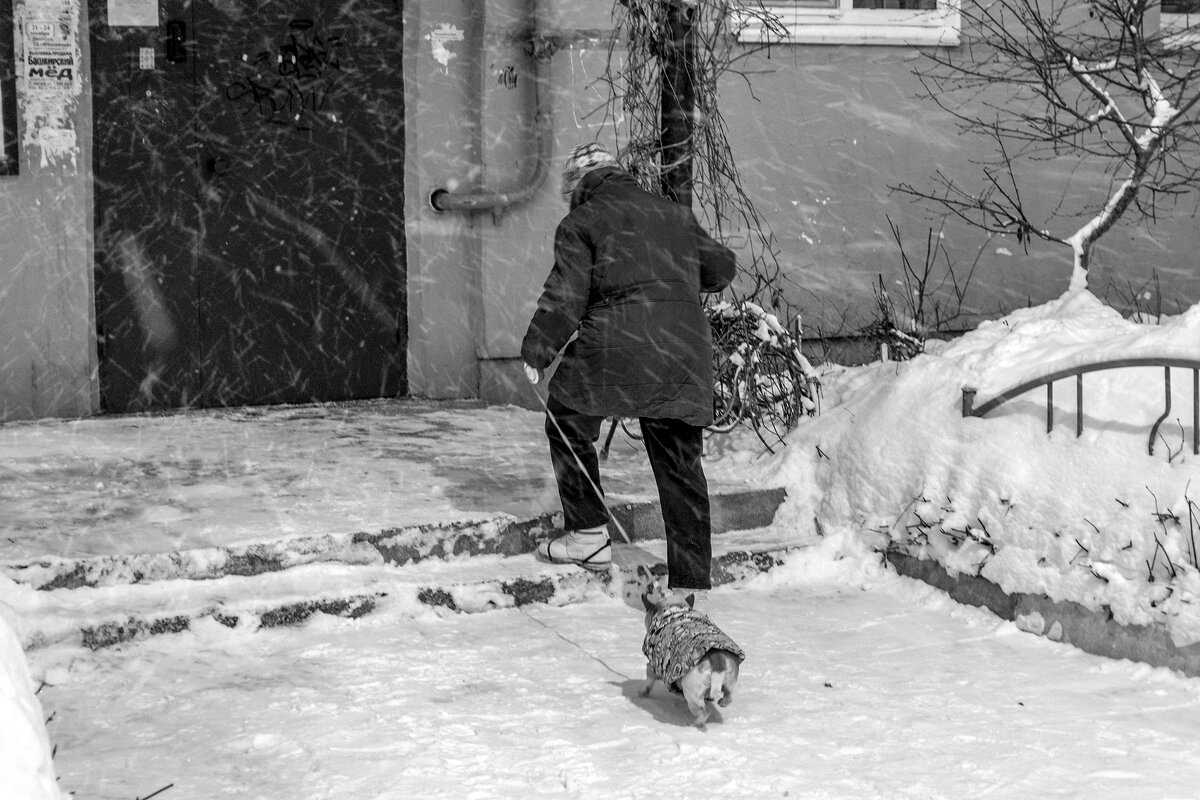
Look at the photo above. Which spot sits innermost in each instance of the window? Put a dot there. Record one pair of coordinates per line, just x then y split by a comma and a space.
1181, 21
897, 22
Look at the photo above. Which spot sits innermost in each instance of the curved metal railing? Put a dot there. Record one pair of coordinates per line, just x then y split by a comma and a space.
969, 409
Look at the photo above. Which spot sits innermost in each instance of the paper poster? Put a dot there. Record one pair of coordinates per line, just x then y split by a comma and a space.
50, 54
48, 80
133, 13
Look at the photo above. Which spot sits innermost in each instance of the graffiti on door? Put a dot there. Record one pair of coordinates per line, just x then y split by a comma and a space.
293, 83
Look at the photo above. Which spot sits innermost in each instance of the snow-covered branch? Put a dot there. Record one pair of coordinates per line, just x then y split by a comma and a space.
1086, 75
1041, 83
1163, 112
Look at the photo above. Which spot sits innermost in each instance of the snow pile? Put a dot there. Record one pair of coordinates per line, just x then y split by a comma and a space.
25, 756
1094, 519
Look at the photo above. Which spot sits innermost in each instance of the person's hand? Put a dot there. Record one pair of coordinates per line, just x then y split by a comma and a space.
533, 374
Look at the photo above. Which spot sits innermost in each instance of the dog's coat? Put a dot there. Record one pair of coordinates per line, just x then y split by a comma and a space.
677, 638
694, 657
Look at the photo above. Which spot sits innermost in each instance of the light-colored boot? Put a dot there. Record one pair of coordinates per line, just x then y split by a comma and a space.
590, 548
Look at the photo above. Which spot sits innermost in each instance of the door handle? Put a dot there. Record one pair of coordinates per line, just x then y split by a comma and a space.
176, 43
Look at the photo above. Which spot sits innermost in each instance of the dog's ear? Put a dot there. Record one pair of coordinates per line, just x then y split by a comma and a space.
690, 600
646, 602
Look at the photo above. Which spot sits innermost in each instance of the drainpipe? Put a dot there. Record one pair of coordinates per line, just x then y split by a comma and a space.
541, 48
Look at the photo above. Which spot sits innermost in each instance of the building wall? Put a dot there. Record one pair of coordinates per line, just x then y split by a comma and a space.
820, 139
47, 317
846, 124
443, 73
475, 276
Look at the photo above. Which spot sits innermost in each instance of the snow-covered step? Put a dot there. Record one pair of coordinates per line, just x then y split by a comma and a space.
494, 535
97, 617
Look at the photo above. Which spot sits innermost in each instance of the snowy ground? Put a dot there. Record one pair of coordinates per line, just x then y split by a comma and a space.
857, 684
111, 486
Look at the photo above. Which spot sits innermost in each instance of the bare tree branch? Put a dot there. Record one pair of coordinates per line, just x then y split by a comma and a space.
1042, 79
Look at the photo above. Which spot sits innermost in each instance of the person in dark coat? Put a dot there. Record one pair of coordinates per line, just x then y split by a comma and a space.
624, 300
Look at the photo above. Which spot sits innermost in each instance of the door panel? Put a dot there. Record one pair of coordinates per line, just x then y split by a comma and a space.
147, 223
300, 297
297, 284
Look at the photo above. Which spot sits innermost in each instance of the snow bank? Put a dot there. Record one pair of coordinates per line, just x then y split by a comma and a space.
25, 756
1094, 519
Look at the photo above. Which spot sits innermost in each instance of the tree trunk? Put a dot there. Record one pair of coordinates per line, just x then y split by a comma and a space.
1084, 238
678, 102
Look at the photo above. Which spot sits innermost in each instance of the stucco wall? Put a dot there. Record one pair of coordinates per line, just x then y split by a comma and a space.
475, 276
442, 55
825, 134
845, 124
47, 316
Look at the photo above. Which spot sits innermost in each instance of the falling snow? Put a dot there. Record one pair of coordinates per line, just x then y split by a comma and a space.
857, 683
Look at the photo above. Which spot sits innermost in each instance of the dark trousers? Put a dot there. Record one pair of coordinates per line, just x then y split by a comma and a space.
674, 449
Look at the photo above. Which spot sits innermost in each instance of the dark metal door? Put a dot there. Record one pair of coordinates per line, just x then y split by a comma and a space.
271, 219
147, 226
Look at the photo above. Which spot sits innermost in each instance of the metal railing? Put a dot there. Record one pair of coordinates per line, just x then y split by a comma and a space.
969, 409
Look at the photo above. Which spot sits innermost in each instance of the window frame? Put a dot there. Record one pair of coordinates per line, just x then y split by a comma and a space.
1180, 30
838, 22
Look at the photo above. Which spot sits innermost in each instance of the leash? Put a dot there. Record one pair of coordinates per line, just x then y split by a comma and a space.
582, 468
575, 644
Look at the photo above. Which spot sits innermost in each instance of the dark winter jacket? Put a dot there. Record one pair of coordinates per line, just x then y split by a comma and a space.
629, 268
678, 638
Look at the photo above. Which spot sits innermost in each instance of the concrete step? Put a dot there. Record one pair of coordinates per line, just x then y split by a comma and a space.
106, 616
501, 535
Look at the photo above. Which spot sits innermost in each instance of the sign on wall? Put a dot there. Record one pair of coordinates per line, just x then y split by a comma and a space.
48, 79
133, 13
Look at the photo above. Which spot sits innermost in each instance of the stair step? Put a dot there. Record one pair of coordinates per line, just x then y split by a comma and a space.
108, 616
501, 535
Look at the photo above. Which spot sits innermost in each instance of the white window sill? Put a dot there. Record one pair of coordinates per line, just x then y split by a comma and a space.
939, 28
1180, 30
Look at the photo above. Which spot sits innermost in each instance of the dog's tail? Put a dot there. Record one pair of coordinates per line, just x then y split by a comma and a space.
720, 666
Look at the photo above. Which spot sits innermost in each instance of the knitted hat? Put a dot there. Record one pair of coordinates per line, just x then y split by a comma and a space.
584, 159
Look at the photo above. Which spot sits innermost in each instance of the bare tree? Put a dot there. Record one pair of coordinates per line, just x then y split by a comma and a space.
1094, 79
649, 67
664, 70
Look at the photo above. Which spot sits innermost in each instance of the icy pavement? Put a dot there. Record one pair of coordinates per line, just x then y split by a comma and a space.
857, 684
137, 484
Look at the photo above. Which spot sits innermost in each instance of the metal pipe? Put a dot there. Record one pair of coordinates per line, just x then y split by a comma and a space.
1050, 407
1166, 411
968, 401
1079, 405
484, 199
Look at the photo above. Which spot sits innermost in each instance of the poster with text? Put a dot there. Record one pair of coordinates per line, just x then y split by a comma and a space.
49, 81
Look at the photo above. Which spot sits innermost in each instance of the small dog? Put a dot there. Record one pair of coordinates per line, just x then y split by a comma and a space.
690, 654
